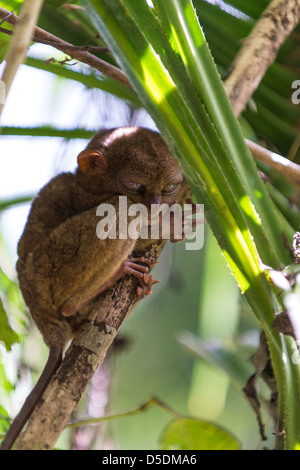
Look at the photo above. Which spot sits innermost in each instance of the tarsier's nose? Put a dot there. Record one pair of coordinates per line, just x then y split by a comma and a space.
153, 204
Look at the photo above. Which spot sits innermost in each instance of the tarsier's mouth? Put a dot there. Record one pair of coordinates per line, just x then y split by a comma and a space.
153, 218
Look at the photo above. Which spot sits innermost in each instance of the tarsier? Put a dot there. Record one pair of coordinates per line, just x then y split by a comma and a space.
62, 264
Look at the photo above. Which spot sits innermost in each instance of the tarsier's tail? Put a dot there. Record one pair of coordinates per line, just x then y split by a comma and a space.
54, 360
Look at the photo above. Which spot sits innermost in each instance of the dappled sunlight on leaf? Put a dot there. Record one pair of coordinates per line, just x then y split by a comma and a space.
7, 335
193, 434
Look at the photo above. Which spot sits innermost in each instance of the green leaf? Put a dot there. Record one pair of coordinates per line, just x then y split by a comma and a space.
4, 421
5, 384
60, 22
5, 204
7, 335
193, 434
12, 5
48, 131
4, 43
5, 39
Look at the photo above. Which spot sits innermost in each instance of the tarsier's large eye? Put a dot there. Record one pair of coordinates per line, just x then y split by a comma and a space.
132, 186
170, 188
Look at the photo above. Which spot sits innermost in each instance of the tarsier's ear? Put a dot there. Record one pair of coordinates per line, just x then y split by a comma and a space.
91, 161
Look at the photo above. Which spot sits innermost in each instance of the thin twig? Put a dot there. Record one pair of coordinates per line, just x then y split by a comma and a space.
67, 48
153, 401
57, 44
6, 17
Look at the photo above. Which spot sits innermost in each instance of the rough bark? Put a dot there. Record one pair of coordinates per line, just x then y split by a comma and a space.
259, 51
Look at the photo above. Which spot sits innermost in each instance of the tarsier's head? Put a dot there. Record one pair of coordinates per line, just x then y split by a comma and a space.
134, 162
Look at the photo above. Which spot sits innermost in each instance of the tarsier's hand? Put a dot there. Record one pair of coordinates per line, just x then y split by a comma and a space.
146, 280
186, 224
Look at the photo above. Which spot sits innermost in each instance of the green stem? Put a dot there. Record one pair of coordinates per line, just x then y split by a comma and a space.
6, 204
153, 401
47, 131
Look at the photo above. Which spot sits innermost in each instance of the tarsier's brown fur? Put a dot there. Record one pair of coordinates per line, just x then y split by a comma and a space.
62, 263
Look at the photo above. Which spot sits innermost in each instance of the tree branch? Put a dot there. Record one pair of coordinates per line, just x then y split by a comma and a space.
259, 51
284, 166
153, 401
40, 35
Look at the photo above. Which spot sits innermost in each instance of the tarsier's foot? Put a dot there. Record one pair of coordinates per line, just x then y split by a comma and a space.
145, 287
140, 271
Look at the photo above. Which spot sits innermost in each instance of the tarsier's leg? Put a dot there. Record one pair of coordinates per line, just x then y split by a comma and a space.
131, 267
71, 264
